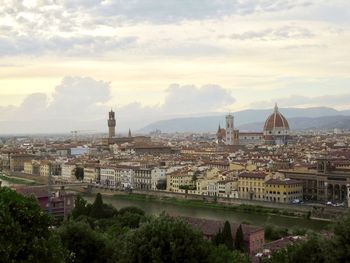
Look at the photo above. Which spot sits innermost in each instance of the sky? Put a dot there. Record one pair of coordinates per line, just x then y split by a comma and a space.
157, 59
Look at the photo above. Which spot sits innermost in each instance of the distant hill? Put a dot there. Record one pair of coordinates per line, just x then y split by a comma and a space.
300, 123
252, 120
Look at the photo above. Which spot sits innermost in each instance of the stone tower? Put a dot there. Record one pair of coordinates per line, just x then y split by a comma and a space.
229, 129
111, 124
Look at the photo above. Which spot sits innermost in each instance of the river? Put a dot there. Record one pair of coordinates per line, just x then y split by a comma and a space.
154, 208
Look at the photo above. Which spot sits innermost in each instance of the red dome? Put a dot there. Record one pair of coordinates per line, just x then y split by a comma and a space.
276, 121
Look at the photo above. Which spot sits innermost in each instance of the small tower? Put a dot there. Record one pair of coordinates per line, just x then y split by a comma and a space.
229, 129
129, 134
111, 124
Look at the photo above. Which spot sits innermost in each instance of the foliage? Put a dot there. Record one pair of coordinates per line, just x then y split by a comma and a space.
187, 187
227, 235
97, 207
239, 240
275, 232
161, 185
224, 237
84, 244
80, 207
163, 239
220, 254
25, 234
79, 173
331, 248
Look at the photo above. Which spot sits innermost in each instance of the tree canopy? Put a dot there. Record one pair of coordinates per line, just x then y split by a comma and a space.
25, 234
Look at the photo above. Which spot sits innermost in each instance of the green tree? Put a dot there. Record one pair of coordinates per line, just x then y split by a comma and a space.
79, 173
220, 254
97, 210
83, 243
163, 239
25, 234
227, 235
341, 240
239, 240
80, 207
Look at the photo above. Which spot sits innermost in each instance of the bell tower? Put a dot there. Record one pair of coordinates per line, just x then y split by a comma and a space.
111, 124
229, 130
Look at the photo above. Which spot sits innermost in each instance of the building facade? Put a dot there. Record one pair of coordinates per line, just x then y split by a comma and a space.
283, 190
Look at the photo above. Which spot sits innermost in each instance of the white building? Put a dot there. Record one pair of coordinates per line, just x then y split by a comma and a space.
158, 174
108, 177
68, 172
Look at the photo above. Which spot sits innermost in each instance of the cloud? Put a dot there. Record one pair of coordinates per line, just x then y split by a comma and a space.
280, 33
72, 46
82, 103
191, 99
74, 98
80, 98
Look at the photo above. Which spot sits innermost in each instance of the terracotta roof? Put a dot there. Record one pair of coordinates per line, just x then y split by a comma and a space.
252, 175
276, 120
283, 182
211, 227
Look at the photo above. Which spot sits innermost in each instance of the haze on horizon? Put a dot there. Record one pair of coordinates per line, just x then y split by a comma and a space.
150, 60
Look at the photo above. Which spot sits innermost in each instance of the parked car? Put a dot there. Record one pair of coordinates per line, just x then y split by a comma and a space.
297, 201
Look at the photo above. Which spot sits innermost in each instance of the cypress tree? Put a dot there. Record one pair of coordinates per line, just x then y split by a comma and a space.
227, 236
97, 207
239, 241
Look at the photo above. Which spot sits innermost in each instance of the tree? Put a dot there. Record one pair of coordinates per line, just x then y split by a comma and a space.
97, 207
80, 207
25, 234
341, 240
83, 243
161, 185
220, 254
163, 239
79, 173
239, 240
227, 235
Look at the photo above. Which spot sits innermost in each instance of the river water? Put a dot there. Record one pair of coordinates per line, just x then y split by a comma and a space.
154, 207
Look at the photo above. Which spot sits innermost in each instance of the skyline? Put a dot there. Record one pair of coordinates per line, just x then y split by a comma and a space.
167, 59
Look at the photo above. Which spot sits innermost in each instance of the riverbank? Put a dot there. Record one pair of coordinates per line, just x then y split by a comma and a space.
17, 180
202, 204
198, 209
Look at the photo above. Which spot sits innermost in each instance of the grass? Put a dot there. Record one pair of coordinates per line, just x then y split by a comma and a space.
17, 180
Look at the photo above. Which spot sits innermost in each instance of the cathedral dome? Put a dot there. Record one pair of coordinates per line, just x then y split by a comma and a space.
276, 121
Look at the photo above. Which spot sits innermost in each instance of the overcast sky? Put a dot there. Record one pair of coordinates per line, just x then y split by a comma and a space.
64, 58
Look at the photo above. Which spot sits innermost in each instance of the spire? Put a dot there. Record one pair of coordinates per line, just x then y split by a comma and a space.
219, 129
276, 108
129, 135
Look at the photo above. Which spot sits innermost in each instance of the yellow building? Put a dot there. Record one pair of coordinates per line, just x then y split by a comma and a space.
32, 167
179, 178
251, 185
283, 190
45, 168
28, 167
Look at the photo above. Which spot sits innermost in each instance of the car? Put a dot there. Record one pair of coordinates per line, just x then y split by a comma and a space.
297, 201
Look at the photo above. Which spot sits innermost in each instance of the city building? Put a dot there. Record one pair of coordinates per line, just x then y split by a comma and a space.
276, 129
251, 185
283, 190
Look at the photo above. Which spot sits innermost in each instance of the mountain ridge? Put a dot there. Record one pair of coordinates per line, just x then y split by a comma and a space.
252, 120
